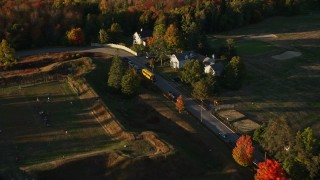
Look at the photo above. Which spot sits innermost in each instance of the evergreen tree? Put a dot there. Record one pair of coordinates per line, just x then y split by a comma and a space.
212, 83
191, 32
116, 72
234, 73
103, 36
192, 71
130, 82
278, 138
200, 90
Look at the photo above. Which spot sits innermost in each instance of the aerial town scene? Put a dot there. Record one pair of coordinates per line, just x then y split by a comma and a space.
160, 89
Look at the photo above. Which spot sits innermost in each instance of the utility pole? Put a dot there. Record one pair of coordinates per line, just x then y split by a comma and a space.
201, 110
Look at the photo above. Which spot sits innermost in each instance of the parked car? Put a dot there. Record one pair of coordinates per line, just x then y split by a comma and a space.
218, 102
130, 63
137, 68
150, 56
173, 96
223, 135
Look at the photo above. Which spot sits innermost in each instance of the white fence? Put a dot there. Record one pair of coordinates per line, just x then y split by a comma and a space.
117, 46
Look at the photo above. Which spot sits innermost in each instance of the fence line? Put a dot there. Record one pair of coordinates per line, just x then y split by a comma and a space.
25, 81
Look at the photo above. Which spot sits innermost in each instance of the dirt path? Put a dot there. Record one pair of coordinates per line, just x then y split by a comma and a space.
53, 164
102, 114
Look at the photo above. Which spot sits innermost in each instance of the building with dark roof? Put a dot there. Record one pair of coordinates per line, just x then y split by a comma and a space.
140, 37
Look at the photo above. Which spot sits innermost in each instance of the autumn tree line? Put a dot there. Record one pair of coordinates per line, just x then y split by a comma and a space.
35, 23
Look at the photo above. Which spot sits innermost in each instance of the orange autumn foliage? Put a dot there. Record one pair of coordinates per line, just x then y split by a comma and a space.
270, 170
243, 151
75, 36
180, 106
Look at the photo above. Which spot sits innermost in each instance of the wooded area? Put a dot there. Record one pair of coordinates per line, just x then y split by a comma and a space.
34, 23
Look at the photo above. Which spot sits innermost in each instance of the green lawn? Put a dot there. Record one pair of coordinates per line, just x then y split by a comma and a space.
251, 48
24, 132
215, 42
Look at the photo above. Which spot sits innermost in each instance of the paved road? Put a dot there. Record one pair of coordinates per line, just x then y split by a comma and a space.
209, 120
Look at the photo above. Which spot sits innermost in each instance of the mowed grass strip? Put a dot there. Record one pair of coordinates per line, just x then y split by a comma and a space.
253, 47
25, 137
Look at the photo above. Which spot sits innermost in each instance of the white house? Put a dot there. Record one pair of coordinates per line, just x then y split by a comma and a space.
178, 60
210, 66
141, 37
214, 68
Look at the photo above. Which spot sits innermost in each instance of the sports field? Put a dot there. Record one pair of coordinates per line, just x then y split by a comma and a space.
45, 122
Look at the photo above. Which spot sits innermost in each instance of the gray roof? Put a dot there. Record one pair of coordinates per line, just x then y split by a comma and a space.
145, 33
191, 55
218, 68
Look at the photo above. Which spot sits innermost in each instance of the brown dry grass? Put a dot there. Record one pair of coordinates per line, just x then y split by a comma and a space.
246, 125
231, 115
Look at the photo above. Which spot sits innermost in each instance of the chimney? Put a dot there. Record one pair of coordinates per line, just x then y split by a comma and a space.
213, 60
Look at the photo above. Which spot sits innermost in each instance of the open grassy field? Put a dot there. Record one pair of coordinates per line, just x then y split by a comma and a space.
288, 88
25, 138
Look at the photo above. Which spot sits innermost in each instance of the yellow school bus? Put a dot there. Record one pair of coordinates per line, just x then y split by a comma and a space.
149, 75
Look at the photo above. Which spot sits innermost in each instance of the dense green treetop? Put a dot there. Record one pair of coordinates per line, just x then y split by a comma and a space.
200, 90
130, 82
192, 71
234, 73
116, 72
24, 23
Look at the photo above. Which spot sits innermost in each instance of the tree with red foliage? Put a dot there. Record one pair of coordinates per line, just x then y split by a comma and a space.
75, 36
270, 170
180, 106
243, 152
